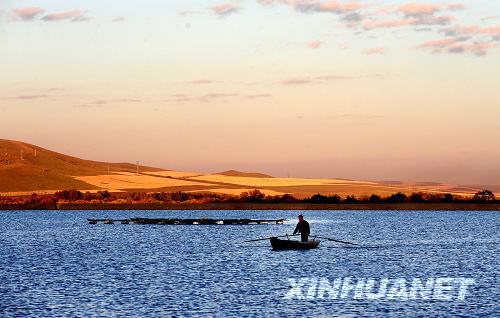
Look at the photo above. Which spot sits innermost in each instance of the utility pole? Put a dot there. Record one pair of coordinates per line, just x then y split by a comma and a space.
35, 153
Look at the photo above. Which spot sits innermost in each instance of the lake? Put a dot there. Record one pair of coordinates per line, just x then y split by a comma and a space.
53, 263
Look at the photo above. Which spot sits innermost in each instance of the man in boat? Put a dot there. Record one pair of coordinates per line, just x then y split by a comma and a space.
302, 228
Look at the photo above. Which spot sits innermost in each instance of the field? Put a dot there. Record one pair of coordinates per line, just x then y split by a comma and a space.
27, 168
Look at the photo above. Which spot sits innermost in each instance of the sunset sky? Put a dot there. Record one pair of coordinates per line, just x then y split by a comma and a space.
384, 90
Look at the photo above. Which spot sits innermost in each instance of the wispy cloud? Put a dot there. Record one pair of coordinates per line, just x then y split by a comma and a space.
108, 102
374, 51
419, 9
118, 19
27, 13
494, 30
225, 9
347, 10
255, 96
99, 102
454, 45
27, 97
206, 98
315, 44
75, 15
126, 100
491, 17
37, 13
202, 81
313, 80
213, 97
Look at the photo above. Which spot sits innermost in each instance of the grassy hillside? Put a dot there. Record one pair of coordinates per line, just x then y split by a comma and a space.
235, 173
25, 167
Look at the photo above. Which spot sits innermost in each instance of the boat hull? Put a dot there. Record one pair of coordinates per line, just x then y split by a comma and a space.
278, 244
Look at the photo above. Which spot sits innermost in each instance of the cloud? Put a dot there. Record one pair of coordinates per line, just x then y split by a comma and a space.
255, 96
27, 97
266, 2
456, 46
99, 102
212, 97
476, 48
219, 95
202, 81
189, 12
427, 9
352, 18
27, 13
325, 6
314, 44
75, 15
126, 100
309, 6
433, 20
390, 23
225, 9
491, 17
438, 44
374, 51
103, 102
419, 9
347, 10
422, 14
314, 80
494, 30
118, 19
185, 98
455, 7
461, 30
409, 20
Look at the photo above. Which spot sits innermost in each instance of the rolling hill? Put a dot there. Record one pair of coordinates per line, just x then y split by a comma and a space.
26, 168
235, 173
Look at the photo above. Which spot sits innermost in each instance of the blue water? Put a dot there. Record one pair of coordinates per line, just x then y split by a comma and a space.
52, 263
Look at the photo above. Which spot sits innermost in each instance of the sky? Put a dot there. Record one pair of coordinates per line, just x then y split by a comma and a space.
378, 90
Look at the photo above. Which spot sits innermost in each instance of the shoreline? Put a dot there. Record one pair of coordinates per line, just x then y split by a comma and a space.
266, 206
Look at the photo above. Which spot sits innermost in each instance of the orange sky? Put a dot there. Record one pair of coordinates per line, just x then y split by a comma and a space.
380, 90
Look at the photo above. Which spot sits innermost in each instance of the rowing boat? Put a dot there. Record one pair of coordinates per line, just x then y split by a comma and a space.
278, 244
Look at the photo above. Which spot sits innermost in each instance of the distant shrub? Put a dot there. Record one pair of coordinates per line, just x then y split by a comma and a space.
484, 196
448, 198
396, 198
417, 197
69, 195
253, 196
374, 198
350, 199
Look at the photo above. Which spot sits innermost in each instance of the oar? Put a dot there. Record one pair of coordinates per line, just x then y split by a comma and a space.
267, 238
338, 241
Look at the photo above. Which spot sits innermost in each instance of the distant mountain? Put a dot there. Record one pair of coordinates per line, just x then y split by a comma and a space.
235, 173
25, 167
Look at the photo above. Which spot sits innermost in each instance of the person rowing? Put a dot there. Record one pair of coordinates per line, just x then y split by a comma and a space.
302, 228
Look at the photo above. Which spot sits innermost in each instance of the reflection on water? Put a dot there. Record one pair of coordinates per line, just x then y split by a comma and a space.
55, 264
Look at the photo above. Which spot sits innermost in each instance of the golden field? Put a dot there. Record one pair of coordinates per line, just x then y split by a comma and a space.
27, 168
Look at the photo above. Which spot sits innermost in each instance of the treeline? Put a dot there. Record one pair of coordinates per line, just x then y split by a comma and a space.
254, 196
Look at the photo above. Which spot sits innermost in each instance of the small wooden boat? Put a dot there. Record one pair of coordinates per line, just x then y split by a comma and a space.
288, 244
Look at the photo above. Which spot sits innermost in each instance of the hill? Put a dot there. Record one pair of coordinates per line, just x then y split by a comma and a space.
26, 167
235, 173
